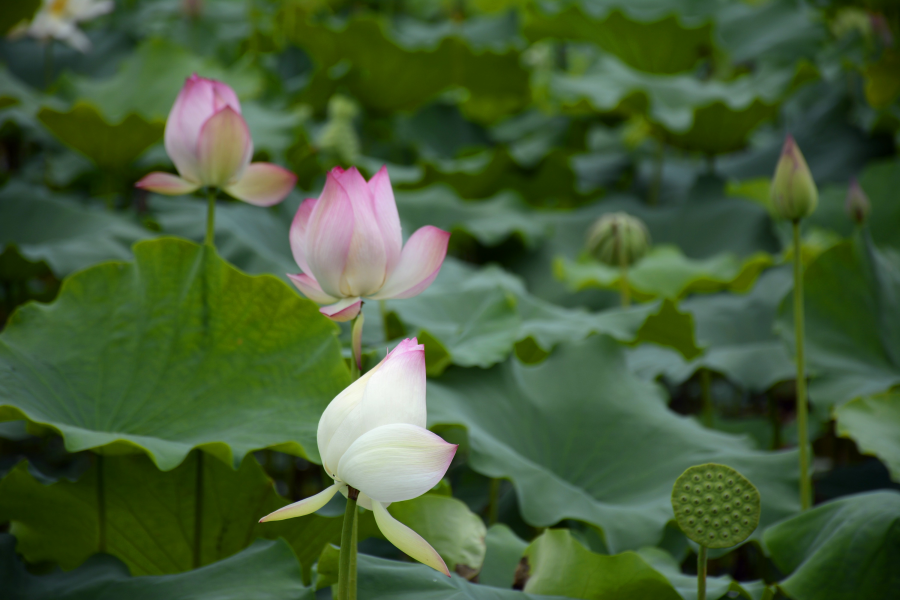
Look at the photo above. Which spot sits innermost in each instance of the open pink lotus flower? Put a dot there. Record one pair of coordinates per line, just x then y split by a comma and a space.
372, 437
209, 142
349, 246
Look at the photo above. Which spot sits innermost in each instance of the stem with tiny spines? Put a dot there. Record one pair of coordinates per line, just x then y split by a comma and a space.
701, 574
347, 560
802, 405
101, 505
211, 217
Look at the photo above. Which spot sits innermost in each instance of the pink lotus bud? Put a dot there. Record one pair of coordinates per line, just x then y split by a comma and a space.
349, 246
209, 142
857, 204
794, 193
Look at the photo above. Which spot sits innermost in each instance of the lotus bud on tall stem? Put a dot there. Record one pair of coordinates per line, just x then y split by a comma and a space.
619, 240
794, 196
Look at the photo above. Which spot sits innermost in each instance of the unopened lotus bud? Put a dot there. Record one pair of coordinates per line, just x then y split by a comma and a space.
794, 194
618, 239
857, 205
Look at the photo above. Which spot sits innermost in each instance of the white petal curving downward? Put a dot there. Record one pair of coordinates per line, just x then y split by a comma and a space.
395, 462
304, 507
407, 540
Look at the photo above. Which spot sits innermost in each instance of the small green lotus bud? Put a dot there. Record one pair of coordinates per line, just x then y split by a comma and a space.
857, 205
618, 239
794, 193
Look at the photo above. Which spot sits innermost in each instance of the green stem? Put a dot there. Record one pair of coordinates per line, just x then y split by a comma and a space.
802, 408
624, 290
701, 574
494, 501
211, 217
356, 345
101, 504
198, 511
347, 561
706, 391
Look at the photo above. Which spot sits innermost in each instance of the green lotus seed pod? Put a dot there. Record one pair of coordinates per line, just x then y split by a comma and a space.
715, 506
794, 194
618, 239
857, 204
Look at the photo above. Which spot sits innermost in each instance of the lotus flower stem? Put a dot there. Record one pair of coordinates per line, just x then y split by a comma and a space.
356, 345
802, 433
211, 217
706, 392
198, 512
624, 291
701, 574
347, 561
494, 501
101, 505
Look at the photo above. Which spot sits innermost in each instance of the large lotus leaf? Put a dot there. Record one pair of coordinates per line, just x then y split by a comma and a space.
404, 64
782, 32
65, 233
150, 514
151, 78
737, 333
110, 145
665, 38
174, 351
845, 549
686, 585
449, 526
504, 552
528, 424
873, 423
559, 564
852, 326
474, 317
253, 239
711, 117
490, 221
380, 579
666, 272
267, 570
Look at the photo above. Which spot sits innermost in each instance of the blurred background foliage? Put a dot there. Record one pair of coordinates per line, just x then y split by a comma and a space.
515, 124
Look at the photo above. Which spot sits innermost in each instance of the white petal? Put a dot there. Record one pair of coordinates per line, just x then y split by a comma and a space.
311, 288
334, 416
407, 540
395, 462
304, 507
342, 310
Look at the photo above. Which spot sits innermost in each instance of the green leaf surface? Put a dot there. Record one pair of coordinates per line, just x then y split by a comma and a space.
845, 549
873, 422
174, 351
559, 564
852, 325
111, 146
265, 571
666, 272
504, 551
527, 424
150, 514
60, 230
686, 585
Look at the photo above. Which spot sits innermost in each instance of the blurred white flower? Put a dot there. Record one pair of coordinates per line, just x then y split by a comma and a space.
57, 19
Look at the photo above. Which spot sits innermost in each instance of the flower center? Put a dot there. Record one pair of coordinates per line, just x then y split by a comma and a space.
58, 7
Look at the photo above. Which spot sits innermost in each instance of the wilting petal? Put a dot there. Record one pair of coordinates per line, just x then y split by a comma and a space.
343, 310
411, 543
395, 393
420, 262
366, 266
387, 217
263, 184
166, 183
310, 288
329, 232
299, 233
334, 417
304, 507
395, 462
224, 148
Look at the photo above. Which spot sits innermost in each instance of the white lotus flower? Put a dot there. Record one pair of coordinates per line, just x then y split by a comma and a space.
372, 437
58, 19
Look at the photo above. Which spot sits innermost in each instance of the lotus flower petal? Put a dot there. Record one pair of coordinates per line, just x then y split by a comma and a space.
263, 184
304, 507
407, 540
343, 310
310, 288
224, 148
395, 462
166, 183
420, 262
365, 269
329, 233
299, 232
387, 216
